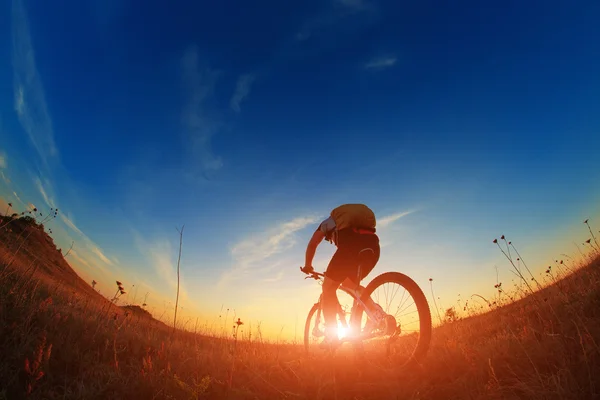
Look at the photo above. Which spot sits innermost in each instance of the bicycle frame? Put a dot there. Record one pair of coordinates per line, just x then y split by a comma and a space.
376, 328
356, 301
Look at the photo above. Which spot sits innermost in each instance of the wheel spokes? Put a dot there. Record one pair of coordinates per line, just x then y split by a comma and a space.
397, 302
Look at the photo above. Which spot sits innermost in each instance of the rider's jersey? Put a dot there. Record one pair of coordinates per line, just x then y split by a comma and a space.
357, 216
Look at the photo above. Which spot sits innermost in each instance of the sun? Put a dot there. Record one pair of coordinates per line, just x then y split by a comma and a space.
342, 332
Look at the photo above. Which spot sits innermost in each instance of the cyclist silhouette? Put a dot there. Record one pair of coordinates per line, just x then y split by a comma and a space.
351, 228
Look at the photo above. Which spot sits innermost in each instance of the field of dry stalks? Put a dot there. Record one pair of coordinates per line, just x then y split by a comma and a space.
59, 339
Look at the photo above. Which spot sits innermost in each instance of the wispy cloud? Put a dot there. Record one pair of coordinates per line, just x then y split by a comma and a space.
200, 124
162, 258
381, 63
385, 222
88, 249
89, 265
163, 264
242, 90
5, 178
254, 254
333, 14
80, 260
3, 165
70, 223
32, 111
88, 244
276, 240
96, 250
275, 278
18, 198
30, 103
44, 191
390, 219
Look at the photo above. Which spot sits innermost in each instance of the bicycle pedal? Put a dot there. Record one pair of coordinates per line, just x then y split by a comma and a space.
317, 333
389, 324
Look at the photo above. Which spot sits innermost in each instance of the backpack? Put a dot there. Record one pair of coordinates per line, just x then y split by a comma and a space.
353, 216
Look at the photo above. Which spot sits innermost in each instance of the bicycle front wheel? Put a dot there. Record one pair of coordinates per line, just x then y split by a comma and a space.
406, 333
314, 328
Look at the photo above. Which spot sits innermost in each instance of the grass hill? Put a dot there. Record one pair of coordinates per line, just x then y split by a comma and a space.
27, 244
59, 339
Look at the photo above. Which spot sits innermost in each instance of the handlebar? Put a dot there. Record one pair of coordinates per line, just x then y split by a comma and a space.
314, 275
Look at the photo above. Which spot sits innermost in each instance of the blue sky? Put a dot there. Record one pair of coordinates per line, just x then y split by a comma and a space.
249, 122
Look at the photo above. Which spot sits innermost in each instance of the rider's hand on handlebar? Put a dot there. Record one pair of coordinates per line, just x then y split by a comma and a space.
307, 270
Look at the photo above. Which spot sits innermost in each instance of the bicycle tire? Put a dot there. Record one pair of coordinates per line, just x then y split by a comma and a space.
425, 328
312, 311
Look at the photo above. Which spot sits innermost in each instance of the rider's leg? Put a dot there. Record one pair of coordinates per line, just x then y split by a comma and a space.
329, 303
336, 272
366, 257
352, 285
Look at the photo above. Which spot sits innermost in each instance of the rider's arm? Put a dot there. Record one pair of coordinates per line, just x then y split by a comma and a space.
316, 238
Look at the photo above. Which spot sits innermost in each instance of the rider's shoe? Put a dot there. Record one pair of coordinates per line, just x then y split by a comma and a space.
379, 315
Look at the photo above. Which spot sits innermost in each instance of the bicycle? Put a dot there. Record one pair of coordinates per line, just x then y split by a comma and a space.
386, 328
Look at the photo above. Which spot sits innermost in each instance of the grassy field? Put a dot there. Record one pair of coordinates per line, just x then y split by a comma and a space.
60, 339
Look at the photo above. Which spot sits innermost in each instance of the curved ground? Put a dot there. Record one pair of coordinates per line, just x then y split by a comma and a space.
59, 339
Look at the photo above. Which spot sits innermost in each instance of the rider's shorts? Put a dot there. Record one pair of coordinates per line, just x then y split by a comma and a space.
356, 256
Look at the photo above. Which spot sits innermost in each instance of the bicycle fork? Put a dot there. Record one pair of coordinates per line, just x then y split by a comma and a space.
341, 315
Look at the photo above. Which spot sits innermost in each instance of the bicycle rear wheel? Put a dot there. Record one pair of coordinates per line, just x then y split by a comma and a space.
408, 341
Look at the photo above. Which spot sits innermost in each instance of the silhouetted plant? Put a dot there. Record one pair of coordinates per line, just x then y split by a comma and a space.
451, 315
178, 261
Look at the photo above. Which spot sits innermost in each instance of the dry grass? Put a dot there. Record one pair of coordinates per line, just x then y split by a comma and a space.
58, 341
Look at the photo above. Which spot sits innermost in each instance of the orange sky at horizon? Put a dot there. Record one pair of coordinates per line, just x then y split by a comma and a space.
282, 315
281, 310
